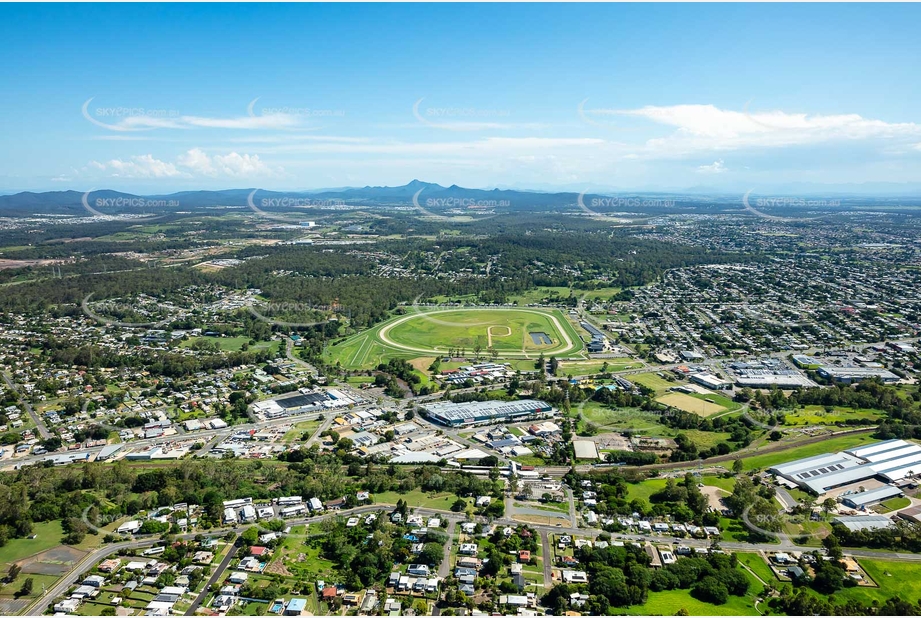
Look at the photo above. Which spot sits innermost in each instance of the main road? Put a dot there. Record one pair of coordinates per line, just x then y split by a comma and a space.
39, 423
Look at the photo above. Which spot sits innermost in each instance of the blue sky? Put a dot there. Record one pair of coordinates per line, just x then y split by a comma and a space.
150, 98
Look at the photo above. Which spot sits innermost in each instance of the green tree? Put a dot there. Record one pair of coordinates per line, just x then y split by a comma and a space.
250, 536
27, 586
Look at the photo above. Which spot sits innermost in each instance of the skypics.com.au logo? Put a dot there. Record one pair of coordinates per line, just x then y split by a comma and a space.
120, 203
310, 112
466, 209
108, 308
453, 118
619, 203
121, 118
294, 315
799, 524
289, 202
785, 202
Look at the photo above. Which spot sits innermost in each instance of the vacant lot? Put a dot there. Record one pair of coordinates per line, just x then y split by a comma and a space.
818, 415
442, 500
670, 602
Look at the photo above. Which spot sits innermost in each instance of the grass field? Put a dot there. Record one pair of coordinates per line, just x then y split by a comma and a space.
893, 504
49, 535
536, 295
901, 579
624, 418
645, 489
582, 368
817, 415
718, 481
831, 445
233, 344
669, 602
442, 500
735, 530
506, 330
691, 404
433, 332
706, 439
651, 380
757, 564
299, 429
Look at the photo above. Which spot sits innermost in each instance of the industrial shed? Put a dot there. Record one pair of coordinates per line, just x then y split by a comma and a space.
484, 412
869, 498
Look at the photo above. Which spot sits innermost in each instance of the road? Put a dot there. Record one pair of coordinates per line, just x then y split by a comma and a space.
445, 567
572, 508
39, 423
786, 500
289, 352
547, 557
218, 572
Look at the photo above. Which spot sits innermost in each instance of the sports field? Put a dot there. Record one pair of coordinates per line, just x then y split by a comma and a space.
513, 334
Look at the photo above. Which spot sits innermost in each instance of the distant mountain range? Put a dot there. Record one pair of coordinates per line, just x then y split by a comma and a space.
431, 196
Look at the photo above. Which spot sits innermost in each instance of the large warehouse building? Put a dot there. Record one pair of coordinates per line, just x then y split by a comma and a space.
891, 461
849, 375
485, 412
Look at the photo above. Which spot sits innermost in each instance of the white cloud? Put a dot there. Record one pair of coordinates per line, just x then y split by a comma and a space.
194, 163
145, 120
233, 165
716, 167
140, 166
709, 128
